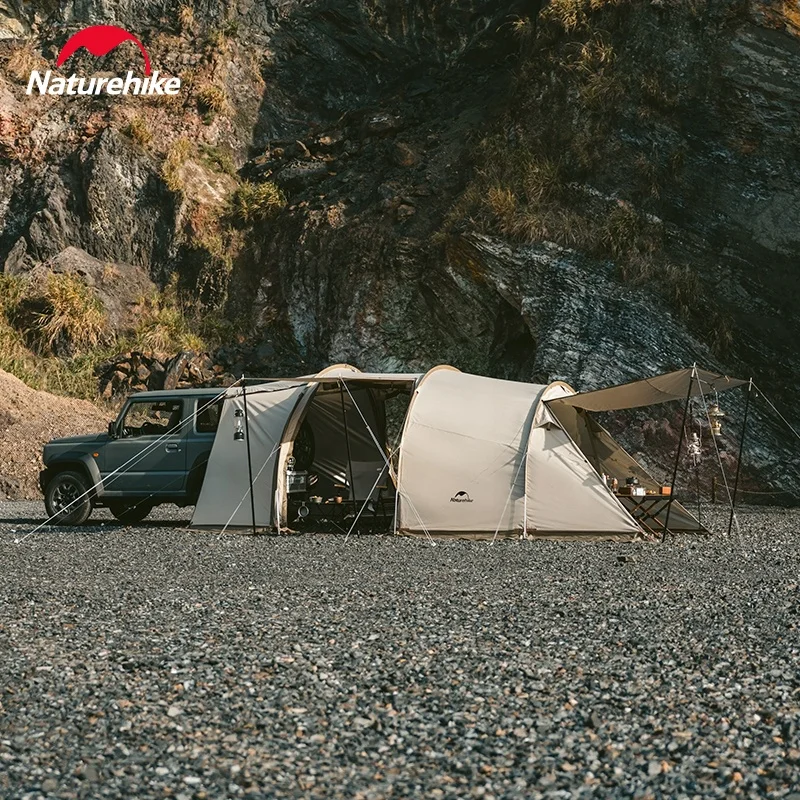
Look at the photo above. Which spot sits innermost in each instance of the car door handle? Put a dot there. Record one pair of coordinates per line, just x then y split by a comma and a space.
172, 448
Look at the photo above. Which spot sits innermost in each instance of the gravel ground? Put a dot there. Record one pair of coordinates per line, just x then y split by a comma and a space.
154, 662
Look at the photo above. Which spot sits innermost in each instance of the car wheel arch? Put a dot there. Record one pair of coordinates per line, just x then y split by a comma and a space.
79, 465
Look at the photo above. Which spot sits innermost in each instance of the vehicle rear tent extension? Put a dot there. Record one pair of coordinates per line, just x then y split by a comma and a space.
472, 457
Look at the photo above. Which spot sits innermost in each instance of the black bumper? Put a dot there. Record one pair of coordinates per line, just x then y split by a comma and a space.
44, 475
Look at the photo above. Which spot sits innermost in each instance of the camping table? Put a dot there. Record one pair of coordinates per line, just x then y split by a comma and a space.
646, 508
341, 515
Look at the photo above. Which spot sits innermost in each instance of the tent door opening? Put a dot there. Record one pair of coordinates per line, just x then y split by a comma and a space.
337, 465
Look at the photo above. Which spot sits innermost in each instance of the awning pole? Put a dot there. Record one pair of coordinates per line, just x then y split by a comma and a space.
347, 442
249, 459
739, 460
697, 490
678, 455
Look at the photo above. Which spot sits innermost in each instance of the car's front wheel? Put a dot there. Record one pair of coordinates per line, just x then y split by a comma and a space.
67, 499
130, 511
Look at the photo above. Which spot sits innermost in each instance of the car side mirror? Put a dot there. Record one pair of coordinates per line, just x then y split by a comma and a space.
112, 430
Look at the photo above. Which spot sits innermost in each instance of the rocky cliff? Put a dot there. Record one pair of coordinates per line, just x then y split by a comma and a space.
581, 190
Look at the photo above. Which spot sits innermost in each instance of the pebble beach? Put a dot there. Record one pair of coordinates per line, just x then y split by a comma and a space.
159, 662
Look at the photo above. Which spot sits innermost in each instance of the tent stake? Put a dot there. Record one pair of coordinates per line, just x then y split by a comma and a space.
739, 459
678, 455
249, 460
347, 442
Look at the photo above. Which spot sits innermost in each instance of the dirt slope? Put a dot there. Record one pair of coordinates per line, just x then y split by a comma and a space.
28, 419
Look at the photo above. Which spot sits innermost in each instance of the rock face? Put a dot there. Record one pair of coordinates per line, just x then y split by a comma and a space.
369, 117
107, 199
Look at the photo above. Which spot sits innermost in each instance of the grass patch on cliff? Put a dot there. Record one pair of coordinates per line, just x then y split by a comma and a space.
215, 243
171, 170
218, 158
54, 335
60, 316
72, 316
211, 101
138, 130
256, 202
33, 319
165, 325
22, 61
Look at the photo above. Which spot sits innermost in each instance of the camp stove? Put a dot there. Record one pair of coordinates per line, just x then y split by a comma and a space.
296, 479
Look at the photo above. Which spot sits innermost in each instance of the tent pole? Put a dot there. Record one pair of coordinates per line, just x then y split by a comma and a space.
347, 442
697, 489
249, 459
678, 455
739, 459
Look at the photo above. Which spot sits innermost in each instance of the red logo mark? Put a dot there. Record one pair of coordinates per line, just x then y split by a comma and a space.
100, 40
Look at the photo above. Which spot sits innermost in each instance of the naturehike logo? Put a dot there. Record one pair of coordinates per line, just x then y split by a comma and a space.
100, 40
460, 497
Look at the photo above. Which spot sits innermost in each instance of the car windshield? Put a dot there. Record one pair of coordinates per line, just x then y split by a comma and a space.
148, 418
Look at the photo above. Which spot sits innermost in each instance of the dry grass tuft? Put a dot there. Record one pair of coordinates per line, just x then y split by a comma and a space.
139, 131
12, 292
22, 61
53, 337
73, 315
255, 202
69, 316
177, 154
626, 233
186, 19
572, 15
163, 324
211, 99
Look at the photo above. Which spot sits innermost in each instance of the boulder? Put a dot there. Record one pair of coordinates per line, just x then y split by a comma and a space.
404, 155
10, 489
118, 286
176, 369
127, 373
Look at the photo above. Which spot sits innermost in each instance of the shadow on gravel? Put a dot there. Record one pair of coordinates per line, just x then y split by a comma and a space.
94, 526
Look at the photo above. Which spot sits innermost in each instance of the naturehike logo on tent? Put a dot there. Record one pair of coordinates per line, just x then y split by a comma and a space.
100, 40
460, 497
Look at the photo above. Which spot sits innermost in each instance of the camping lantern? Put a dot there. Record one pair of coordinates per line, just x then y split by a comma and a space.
238, 434
695, 450
715, 416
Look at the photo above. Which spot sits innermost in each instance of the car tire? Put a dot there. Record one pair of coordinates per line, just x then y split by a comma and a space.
67, 499
130, 512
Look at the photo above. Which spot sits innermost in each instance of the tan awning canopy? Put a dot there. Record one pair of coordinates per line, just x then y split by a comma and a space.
651, 391
386, 380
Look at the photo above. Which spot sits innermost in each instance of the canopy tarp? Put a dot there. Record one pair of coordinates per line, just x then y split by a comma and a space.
651, 391
386, 380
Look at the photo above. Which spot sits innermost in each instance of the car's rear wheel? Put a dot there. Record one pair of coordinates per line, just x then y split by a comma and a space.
67, 499
130, 511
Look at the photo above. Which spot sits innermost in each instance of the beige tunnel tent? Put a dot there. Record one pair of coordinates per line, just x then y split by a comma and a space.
473, 456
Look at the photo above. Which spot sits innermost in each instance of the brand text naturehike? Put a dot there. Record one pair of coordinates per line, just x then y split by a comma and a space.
56, 85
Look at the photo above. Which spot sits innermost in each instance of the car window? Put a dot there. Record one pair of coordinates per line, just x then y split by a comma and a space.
207, 415
149, 418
